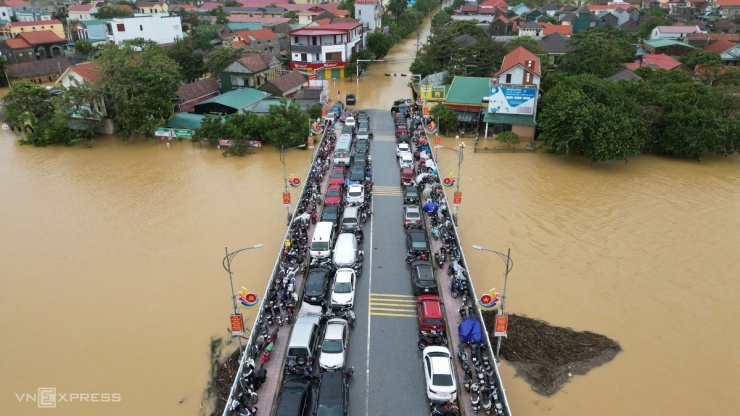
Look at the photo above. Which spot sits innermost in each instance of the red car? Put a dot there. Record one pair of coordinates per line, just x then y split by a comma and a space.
337, 176
334, 195
344, 115
407, 177
402, 129
429, 312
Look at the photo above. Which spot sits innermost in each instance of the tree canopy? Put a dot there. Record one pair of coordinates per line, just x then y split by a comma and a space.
601, 52
445, 116
190, 64
221, 57
112, 12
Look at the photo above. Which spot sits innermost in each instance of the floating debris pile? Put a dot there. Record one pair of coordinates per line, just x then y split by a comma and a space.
546, 356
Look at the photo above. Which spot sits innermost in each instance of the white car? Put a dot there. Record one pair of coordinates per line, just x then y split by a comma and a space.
405, 160
355, 194
439, 375
334, 346
402, 147
350, 121
343, 291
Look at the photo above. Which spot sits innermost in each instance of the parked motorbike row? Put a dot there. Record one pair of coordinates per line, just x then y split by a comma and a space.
281, 300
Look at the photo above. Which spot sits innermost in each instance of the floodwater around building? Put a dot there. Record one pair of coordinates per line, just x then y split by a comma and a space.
111, 278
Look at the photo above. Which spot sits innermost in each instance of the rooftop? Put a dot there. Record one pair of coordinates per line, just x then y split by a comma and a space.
43, 67
565, 30
88, 71
663, 43
468, 90
35, 23
659, 60
238, 99
520, 56
625, 75
720, 46
679, 29
197, 89
185, 121
288, 81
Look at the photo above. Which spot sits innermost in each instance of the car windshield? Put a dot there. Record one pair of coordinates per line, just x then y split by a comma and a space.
332, 193
355, 194
442, 379
358, 171
350, 220
329, 410
419, 244
343, 287
411, 192
434, 321
329, 216
337, 175
332, 346
412, 214
320, 245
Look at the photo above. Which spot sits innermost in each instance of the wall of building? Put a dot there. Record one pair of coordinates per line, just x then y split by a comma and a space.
159, 28
525, 133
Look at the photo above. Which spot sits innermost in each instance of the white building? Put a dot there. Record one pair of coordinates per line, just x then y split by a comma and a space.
673, 32
6, 12
369, 13
157, 27
82, 12
325, 48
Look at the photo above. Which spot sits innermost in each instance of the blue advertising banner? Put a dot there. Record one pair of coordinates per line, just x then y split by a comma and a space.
512, 100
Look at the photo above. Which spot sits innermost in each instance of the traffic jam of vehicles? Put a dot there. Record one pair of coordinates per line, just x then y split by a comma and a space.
313, 288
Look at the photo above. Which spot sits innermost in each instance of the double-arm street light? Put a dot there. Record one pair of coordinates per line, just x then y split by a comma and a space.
285, 174
227, 267
459, 162
357, 69
509, 266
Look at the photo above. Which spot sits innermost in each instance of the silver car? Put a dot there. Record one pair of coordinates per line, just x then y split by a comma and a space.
411, 216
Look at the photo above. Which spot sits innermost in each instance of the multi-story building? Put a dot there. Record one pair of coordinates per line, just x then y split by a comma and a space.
326, 49
82, 12
13, 29
94, 31
153, 7
157, 27
369, 13
260, 40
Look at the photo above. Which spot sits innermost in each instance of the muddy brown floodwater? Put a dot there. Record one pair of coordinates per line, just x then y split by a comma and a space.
111, 277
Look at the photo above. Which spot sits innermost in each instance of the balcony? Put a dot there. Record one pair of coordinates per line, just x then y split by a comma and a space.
305, 48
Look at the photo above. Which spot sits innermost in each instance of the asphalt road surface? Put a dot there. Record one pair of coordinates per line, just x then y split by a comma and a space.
388, 378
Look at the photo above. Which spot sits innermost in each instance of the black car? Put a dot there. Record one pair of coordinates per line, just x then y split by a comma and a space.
422, 278
350, 98
362, 146
295, 398
348, 130
416, 242
399, 119
359, 159
357, 173
333, 395
317, 285
410, 195
332, 214
403, 138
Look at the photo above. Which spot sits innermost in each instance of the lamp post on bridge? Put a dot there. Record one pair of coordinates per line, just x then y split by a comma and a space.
457, 179
283, 150
227, 266
509, 266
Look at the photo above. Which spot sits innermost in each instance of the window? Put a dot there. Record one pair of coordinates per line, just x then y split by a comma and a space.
304, 57
120, 27
295, 39
528, 78
508, 78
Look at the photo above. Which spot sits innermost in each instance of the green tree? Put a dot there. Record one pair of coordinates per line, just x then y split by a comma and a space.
441, 19
190, 64
83, 47
379, 44
112, 12
26, 104
702, 57
508, 138
596, 52
285, 124
3, 79
646, 27
221, 16
211, 129
291, 14
221, 57
203, 35
350, 70
396, 8
140, 81
85, 102
586, 115
192, 19
446, 118
314, 112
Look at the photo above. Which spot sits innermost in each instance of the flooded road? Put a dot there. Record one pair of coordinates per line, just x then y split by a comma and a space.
111, 277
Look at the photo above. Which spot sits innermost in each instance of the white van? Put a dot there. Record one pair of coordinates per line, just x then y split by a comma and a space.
323, 239
345, 251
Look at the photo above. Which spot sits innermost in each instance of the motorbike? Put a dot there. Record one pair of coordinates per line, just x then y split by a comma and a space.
241, 409
247, 394
447, 409
486, 399
440, 257
435, 232
455, 287
433, 337
346, 314
475, 397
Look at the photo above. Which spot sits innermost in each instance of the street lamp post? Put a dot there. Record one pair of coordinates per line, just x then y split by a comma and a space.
283, 150
357, 70
459, 162
509, 266
227, 266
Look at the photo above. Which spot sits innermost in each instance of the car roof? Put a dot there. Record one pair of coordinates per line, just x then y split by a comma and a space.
416, 233
290, 393
334, 328
432, 306
410, 188
350, 211
355, 187
440, 360
407, 170
334, 185
411, 207
344, 274
331, 208
331, 387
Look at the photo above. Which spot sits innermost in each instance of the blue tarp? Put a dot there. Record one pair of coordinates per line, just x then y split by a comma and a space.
469, 331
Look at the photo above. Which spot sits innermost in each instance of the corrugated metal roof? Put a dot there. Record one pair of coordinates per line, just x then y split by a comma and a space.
662, 43
264, 106
185, 121
519, 119
244, 26
468, 90
238, 99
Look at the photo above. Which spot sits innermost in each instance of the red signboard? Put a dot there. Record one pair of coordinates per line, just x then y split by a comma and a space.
318, 65
310, 142
502, 324
323, 111
426, 111
457, 201
437, 141
237, 324
286, 199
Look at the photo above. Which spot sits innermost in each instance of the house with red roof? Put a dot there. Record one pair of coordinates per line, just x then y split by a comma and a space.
728, 51
87, 72
196, 92
286, 85
520, 67
728, 8
13, 29
565, 30
656, 61
32, 46
673, 32
325, 49
250, 71
37, 72
82, 12
259, 40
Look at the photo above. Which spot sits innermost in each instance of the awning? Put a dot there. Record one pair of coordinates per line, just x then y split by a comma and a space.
468, 116
522, 120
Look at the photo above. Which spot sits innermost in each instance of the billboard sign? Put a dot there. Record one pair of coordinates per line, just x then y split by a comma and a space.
512, 100
162, 132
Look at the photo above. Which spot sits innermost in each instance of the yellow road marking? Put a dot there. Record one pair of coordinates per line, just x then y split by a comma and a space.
391, 294
392, 314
